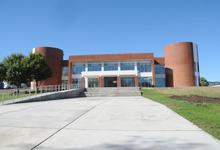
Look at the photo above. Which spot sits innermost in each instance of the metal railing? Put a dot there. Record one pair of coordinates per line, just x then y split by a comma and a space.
10, 94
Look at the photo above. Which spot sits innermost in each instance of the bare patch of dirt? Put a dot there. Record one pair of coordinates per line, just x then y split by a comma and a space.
196, 99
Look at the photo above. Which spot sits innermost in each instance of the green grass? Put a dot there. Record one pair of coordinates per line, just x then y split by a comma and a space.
201, 91
205, 115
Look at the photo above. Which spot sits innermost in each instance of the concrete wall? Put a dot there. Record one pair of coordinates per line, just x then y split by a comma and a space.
48, 96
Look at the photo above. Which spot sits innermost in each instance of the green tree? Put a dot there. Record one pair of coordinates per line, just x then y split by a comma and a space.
37, 68
2, 72
15, 69
203, 82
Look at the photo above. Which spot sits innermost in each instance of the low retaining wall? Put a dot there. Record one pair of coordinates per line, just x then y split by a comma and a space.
48, 96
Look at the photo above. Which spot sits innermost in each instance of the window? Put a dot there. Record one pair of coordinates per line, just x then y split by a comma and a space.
78, 68
144, 67
94, 67
127, 66
76, 82
110, 67
65, 71
93, 82
196, 66
159, 69
160, 82
127, 81
145, 81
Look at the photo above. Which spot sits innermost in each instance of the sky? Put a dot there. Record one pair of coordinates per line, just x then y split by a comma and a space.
81, 27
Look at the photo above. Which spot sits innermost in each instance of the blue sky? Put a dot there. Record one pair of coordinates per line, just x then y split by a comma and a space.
112, 26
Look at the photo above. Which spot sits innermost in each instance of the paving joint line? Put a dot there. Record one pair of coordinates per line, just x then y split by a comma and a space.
118, 130
82, 114
20, 127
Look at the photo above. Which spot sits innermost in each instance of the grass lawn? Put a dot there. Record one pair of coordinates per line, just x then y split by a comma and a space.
204, 115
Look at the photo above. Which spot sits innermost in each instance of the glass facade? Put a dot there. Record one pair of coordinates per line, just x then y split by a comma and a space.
144, 67
145, 82
127, 79
160, 82
110, 67
127, 66
93, 82
159, 69
110, 81
78, 68
127, 82
94, 67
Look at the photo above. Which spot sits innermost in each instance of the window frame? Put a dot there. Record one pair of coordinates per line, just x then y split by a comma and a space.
82, 70
99, 65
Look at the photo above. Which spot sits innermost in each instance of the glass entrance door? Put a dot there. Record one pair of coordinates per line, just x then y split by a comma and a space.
110, 81
127, 82
93, 82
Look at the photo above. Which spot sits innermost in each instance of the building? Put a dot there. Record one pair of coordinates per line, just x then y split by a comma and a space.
178, 68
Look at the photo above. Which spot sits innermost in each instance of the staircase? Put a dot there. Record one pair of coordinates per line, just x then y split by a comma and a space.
112, 91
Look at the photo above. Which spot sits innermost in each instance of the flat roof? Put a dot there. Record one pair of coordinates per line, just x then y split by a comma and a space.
110, 57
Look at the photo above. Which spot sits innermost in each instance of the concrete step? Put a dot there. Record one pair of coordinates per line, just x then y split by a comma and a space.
112, 92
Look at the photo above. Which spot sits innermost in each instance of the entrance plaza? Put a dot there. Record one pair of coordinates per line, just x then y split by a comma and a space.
99, 123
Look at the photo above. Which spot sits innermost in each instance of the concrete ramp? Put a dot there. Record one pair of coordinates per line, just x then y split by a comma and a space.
99, 123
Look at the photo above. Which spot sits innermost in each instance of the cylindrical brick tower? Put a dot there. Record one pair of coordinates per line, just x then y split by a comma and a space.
53, 58
181, 63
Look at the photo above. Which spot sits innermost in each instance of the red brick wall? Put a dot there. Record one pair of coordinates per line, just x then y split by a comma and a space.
54, 58
110, 57
179, 64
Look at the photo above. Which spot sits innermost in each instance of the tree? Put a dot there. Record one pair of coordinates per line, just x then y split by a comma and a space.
203, 82
37, 68
2, 72
15, 69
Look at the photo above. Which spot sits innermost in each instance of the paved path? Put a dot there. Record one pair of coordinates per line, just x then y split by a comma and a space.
97, 123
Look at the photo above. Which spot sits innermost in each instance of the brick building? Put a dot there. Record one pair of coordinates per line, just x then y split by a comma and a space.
178, 68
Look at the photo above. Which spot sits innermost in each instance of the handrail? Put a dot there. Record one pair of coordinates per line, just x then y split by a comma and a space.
11, 94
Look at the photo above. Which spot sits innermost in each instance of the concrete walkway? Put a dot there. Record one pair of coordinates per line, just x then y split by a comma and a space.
98, 123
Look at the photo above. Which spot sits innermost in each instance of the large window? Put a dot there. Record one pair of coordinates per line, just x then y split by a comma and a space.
78, 68
127, 66
110, 66
94, 67
127, 81
145, 81
159, 69
160, 82
144, 67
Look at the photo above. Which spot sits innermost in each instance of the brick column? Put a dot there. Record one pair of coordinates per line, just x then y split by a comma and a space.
70, 73
82, 82
153, 73
118, 81
136, 80
101, 81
